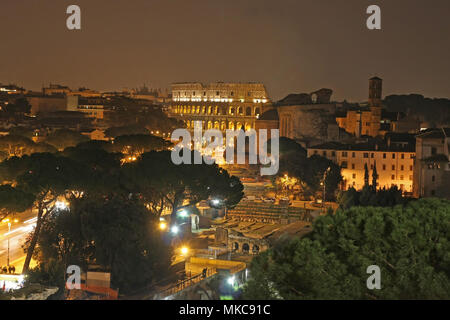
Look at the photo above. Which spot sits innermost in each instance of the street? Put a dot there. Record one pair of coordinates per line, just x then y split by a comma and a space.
17, 237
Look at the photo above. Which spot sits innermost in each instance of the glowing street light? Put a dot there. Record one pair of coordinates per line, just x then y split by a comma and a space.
162, 225
174, 229
184, 250
231, 280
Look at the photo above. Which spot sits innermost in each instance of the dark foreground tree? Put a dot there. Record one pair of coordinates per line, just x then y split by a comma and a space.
162, 184
65, 138
120, 236
409, 243
13, 201
46, 177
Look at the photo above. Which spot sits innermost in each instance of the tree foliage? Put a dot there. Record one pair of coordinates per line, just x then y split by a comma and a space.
118, 235
410, 244
369, 196
64, 138
309, 171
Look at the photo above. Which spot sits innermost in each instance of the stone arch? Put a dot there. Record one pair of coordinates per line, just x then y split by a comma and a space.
224, 111
223, 126
245, 248
216, 125
257, 111
209, 110
210, 124
248, 111
240, 111
198, 109
236, 246
255, 249
238, 126
216, 110
248, 126
231, 125
231, 111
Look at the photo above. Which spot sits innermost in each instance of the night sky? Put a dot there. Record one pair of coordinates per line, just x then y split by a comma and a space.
289, 45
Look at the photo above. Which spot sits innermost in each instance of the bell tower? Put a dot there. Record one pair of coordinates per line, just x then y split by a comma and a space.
375, 104
375, 90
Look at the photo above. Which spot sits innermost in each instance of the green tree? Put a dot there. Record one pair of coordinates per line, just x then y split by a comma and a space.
13, 201
119, 236
114, 132
46, 177
139, 143
64, 138
374, 176
21, 131
19, 107
409, 243
16, 145
366, 175
163, 184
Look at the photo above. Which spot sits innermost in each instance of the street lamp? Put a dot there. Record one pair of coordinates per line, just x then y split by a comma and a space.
184, 250
175, 229
324, 177
162, 225
9, 222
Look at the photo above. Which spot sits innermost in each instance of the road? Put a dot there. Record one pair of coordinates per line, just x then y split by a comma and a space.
17, 237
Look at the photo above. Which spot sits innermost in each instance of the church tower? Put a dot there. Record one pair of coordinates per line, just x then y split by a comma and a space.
375, 90
375, 104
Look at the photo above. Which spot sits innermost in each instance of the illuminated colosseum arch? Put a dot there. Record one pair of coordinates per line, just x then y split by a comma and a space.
248, 111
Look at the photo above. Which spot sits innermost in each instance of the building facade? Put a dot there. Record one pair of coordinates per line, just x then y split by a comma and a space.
219, 105
432, 170
367, 120
394, 164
